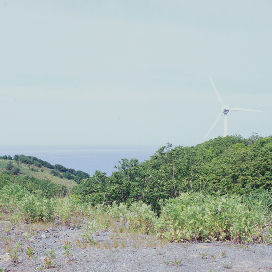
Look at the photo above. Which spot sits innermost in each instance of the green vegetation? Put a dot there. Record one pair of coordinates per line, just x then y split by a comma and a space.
191, 216
197, 217
28, 165
45, 188
216, 191
229, 165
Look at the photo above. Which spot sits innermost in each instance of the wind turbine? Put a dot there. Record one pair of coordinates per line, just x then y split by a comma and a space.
225, 110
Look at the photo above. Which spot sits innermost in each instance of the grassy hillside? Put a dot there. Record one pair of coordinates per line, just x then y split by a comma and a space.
42, 172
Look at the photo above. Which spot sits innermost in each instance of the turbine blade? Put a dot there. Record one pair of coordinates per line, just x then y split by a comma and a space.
214, 124
217, 94
241, 109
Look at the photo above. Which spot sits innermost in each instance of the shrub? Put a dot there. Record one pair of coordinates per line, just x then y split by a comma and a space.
36, 209
9, 166
261, 201
139, 216
68, 175
15, 171
10, 196
198, 217
54, 172
12, 191
65, 208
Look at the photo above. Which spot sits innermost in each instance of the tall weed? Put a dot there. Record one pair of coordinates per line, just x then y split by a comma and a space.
138, 217
199, 217
261, 200
10, 195
64, 209
71, 206
36, 209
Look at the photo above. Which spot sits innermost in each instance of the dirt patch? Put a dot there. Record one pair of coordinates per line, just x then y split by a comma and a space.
109, 251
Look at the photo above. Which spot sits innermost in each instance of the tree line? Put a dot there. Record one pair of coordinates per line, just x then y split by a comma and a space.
225, 165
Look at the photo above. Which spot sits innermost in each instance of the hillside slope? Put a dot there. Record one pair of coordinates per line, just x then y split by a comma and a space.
30, 166
36, 172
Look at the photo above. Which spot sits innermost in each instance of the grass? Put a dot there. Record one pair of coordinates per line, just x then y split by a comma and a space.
46, 175
134, 226
38, 172
203, 255
176, 262
212, 218
190, 217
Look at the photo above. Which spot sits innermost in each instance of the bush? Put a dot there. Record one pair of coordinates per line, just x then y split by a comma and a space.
207, 218
15, 171
61, 168
9, 166
36, 209
10, 196
65, 209
139, 216
12, 191
54, 173
68, 175
261, 201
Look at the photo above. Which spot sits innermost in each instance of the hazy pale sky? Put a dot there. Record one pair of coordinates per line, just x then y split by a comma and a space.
125, 72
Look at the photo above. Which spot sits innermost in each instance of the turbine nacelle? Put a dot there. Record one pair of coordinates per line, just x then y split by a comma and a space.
225, 110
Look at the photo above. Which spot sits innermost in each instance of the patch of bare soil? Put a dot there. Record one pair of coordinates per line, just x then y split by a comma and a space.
109, 251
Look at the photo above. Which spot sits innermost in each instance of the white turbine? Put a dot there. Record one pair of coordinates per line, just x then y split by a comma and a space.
225, 110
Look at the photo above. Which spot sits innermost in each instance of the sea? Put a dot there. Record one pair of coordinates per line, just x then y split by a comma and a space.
84, 158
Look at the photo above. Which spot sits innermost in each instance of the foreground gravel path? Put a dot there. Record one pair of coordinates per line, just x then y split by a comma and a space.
122, 252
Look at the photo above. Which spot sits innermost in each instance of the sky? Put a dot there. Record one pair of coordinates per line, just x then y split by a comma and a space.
118, 72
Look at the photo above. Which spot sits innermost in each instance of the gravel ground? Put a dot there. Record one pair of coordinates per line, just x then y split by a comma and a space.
122, 252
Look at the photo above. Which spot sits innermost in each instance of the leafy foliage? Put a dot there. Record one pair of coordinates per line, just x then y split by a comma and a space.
191, 216
37, 209
46, 187
198, 217
220, 166
218, 190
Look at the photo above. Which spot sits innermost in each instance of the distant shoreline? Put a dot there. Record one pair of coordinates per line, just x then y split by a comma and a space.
87, 158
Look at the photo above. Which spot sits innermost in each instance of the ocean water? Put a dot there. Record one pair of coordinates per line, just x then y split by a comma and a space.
84, 158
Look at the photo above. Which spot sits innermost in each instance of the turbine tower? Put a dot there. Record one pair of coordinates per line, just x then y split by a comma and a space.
225, 110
